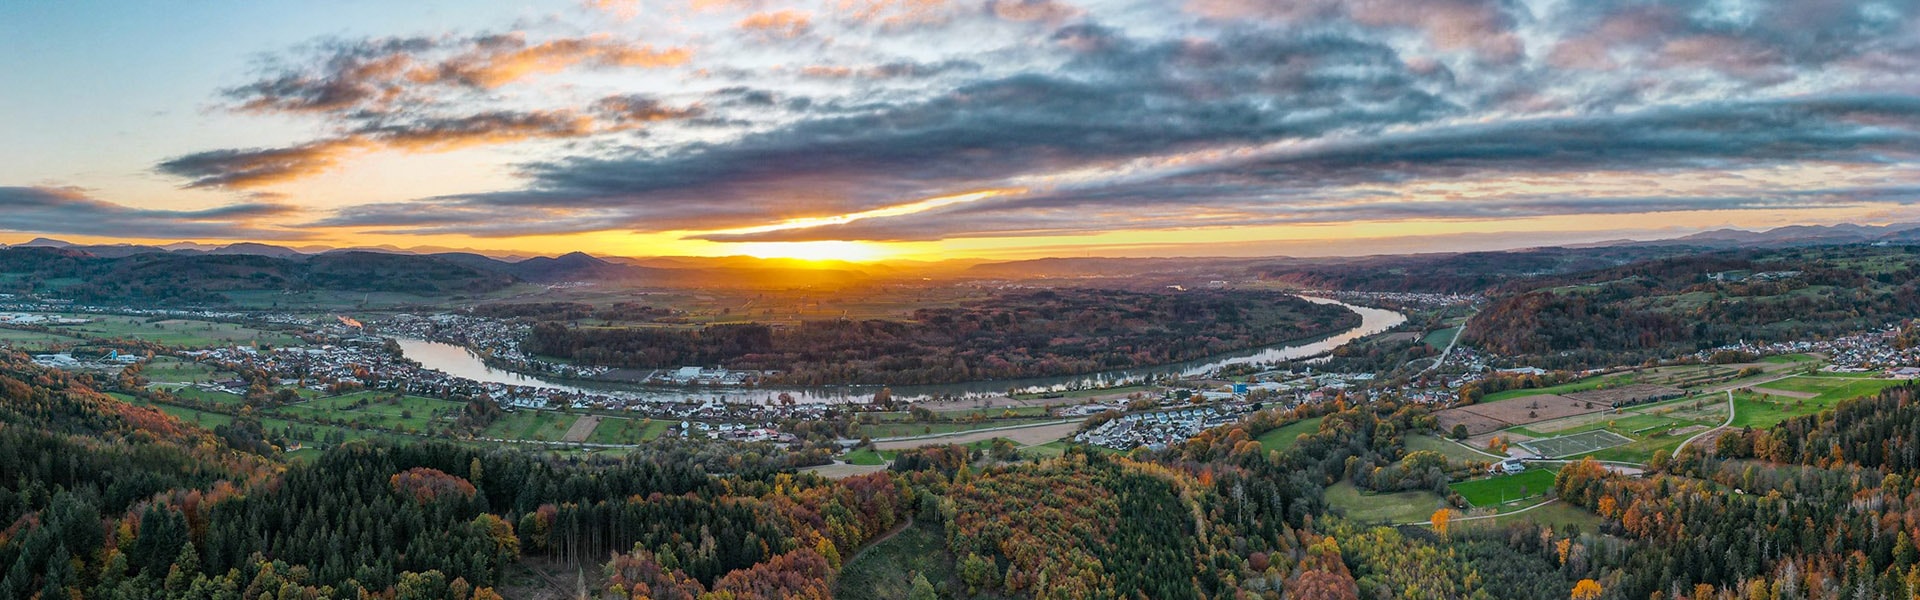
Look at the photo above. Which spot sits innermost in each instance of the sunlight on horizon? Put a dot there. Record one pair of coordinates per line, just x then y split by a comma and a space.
828, 250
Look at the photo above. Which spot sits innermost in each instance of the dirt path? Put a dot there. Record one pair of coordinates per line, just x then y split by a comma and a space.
581, 429
880, 540
1784, 393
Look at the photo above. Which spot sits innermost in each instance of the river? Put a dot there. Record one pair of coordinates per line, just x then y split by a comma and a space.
460, 362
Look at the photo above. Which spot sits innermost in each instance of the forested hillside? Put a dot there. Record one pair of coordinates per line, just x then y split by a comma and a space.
1822, 506
200, 278
1021, 334
104, 499
1672, 306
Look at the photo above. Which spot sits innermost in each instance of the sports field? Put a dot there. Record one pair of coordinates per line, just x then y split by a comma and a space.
1502, 489
1579, 443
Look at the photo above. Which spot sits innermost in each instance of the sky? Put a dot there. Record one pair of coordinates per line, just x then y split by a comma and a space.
926, 129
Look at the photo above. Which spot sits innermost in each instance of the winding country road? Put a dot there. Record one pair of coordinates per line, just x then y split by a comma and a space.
1505, 514
1729, 421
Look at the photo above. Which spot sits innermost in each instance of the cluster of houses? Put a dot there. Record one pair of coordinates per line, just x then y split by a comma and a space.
1872, 351
1159, 429
329, 366
502, 339
737, 432
700, 376
34, 319
112, 361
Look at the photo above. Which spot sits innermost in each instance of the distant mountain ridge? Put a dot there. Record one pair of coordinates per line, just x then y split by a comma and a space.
223, 267
1794, 235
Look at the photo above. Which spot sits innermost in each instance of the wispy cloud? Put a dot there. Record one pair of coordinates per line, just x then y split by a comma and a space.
71, 212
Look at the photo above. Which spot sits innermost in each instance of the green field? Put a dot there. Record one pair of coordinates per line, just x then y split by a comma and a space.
306, 433
1439, 338
1640, 450
166, 369
1559, 515
909, 429
1787, 359
34, 340
543, 425
866, 457
178, 332
1495, 491
1647, 426
990, 413
1285, 436
200, 395
408, 413
1758, 410
885, 570
628, 431
1832, 389
1048, 450
1369, 507
1453, 451
1564, 388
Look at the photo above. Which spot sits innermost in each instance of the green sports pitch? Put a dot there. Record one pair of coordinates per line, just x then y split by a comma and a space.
1579, 443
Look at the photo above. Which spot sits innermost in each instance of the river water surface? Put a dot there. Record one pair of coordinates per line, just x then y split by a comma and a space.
460, 362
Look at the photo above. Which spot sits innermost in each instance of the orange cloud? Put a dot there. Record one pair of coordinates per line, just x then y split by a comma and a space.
896, 13
505, 59
624, 9
262, 167
785, 23
1033, 10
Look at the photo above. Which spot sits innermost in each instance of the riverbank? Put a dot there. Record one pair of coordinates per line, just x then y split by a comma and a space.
461, 362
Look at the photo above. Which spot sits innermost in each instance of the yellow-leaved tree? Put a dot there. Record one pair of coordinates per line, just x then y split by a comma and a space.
1586, 589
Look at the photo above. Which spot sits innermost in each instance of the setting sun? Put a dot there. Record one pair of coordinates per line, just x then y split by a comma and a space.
821, 250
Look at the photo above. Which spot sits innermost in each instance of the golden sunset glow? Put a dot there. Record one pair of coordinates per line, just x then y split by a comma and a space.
817, 251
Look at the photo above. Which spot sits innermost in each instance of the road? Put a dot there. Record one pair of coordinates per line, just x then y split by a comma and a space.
1505, 514
1729, 421
1450, 344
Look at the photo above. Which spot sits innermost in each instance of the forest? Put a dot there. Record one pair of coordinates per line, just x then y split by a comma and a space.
1014, 335
1672, 306
106, 499
199, 279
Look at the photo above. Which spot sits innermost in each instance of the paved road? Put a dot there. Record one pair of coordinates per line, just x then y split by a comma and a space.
1450, 344
1724, 425
1506, 514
